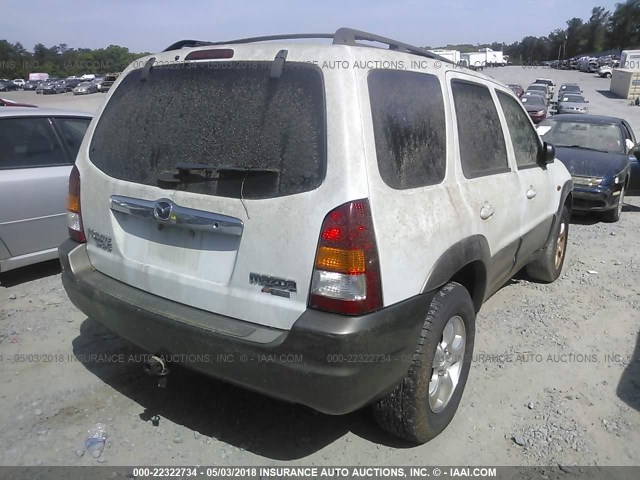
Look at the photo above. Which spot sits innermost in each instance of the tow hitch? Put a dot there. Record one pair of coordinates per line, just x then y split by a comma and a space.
156, 367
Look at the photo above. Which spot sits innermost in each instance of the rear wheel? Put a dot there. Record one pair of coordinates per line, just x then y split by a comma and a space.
549, 266
427, 398
614, 215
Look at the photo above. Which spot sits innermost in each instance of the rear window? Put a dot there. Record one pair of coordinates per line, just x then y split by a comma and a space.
259, 137
409, 127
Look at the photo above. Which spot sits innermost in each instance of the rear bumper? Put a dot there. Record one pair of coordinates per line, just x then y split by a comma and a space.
332, 363
594, 199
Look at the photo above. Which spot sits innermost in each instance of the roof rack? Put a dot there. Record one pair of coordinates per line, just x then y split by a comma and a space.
342, 36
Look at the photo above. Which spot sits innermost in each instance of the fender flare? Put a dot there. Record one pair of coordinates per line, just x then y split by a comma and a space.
567, 190
461, 254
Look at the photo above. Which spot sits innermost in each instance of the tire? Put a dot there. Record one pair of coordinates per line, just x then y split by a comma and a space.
407, 412
607, 75
613, 216
549, 266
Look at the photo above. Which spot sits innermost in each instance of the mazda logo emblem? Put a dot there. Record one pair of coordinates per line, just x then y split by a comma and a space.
163, 210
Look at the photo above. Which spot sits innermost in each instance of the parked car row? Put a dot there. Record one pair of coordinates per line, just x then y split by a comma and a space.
537, 98
54, 86
585, 63
600, 152
7, 85
77, 85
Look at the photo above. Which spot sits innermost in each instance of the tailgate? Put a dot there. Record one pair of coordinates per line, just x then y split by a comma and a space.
206, 187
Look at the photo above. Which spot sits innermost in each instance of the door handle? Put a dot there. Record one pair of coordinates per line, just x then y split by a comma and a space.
531, 193
487, 211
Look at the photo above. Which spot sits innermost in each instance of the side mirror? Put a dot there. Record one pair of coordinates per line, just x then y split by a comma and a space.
636, 151
547, 154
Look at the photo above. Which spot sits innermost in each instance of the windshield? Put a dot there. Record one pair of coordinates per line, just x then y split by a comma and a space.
533, 100
230, 116
546, 82
84, 84
604, 137
540, 88
573, 98
570, 88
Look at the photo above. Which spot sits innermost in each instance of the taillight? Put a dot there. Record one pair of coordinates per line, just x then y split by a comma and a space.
74, 213
346, 277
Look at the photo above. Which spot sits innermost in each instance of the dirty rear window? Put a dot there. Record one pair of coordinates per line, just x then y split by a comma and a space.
261, 137
409, 127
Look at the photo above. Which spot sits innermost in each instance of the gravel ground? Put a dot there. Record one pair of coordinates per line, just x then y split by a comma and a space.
552, 381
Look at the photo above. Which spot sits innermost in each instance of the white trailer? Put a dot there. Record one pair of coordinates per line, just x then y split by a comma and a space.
493, 58
474, 60
451, 55
38, 76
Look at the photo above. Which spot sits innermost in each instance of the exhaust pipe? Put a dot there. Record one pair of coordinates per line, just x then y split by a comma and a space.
155, 366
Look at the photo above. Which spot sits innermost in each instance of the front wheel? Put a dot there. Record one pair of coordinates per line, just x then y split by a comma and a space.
427, 398
548, 267
614, 215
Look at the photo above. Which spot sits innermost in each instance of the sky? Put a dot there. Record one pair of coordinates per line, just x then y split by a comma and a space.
152, 25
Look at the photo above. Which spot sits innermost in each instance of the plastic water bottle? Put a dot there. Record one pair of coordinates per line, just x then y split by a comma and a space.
94, 444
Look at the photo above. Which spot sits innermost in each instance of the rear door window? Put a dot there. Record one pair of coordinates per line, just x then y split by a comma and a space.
259, 137
482, 146
72, 131
526, 144
29, 142
409, 127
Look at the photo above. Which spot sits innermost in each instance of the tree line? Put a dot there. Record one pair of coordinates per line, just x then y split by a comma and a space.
61, 60
604, 32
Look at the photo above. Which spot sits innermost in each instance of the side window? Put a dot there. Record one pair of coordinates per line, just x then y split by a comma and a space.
628, 133
72, 131
525, 140
409, 127
29, 142
482, 147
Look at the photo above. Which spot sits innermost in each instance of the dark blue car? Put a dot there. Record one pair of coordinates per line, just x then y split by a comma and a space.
599, 152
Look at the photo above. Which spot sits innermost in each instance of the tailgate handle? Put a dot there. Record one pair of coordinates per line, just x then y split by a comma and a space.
164, 211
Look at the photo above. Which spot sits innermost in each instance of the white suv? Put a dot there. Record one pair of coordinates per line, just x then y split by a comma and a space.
316, 222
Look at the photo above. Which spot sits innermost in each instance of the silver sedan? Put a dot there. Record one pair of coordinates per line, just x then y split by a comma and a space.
37, 150
572, 103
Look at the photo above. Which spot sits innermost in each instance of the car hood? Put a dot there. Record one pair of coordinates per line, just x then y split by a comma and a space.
589, 163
